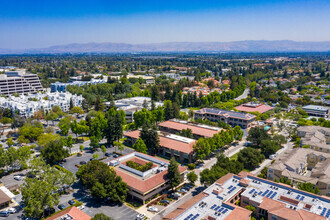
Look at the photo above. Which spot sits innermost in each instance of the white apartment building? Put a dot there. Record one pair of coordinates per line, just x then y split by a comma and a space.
27, 105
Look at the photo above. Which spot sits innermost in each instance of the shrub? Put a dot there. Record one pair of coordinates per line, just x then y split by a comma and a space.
191, 166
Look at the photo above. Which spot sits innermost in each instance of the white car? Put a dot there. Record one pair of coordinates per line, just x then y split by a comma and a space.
152, 209
11, 210
18, 178
140, 216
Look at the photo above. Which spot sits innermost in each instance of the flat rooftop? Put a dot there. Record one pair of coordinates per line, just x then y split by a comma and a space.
316, 107
269, 195
226, 113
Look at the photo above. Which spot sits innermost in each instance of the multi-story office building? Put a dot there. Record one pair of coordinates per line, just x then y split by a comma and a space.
227, 197
317, 111
19, 82
244, 120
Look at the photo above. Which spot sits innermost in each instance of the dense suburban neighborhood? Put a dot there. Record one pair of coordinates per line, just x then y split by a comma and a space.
165, 137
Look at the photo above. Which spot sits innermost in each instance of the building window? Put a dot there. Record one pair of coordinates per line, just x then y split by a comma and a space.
274, 217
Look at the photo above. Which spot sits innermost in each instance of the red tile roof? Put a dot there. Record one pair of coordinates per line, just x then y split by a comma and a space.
279, 209
74, 212
195, 130
147, 184
261, 108
167, 142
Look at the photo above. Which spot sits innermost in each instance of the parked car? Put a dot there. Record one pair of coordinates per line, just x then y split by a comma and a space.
72, 202
4, 214
115, 155
182, 190
140, 216
165, 201
82, 162
152, 209
18, 178
61, 206
11, 210
107, 154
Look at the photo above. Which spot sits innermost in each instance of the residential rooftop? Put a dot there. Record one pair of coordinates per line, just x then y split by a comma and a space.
72, 213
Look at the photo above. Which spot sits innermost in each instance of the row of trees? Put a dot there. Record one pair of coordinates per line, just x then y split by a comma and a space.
13, 158
204, 146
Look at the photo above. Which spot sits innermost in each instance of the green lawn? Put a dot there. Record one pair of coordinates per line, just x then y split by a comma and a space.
234, 157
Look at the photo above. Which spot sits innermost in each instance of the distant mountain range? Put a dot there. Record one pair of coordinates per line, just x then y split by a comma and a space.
235, 46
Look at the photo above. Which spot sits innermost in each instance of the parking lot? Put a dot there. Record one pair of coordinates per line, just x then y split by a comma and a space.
88, 155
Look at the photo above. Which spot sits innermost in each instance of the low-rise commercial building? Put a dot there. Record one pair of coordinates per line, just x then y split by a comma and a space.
19, 82
254, 107
302, 165
317, 110
61, 87
143, 185
170, 145
27, 105
72, 213
226, 198
198, 130
244, 120
316, 137
6, 197
131, 105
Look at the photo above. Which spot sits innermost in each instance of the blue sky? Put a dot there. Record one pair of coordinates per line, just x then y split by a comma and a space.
37, 24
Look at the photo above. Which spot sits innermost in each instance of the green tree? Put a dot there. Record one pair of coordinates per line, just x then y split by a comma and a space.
64, 125
173, 173
150, 137
101, 216
97, 129
308, 187
51, 116
50, 180
140, 146
202, 148
142, 117
102, 181
98, 106
69, 142
256, 135
168, 110
81, 147
114, 130
54, 152
104, 150
192, 177
44, 139
10, 142
76, 110
31, 131
95, 156
250, 157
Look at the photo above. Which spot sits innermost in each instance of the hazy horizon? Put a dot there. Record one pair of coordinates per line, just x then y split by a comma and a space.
40, 24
